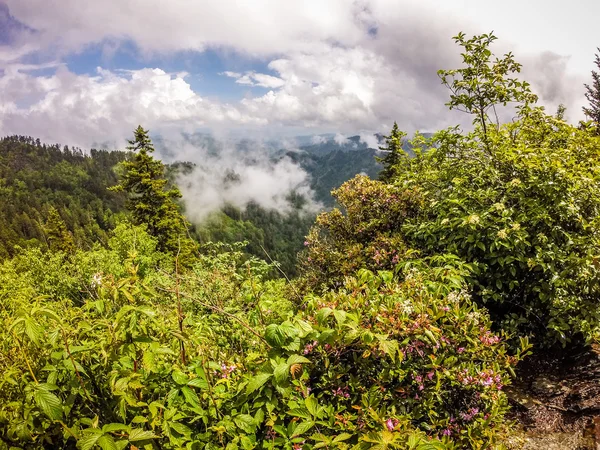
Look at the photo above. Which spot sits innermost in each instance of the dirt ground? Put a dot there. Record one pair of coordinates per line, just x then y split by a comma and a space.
556, 401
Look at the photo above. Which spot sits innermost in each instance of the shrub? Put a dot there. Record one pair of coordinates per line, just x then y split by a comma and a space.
362, 233
214, 357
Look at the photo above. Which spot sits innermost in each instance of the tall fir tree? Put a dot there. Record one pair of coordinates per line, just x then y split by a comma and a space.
394, 153
593, 97
150, 199
59, 237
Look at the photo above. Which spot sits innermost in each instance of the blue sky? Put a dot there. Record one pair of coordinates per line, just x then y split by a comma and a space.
267, 68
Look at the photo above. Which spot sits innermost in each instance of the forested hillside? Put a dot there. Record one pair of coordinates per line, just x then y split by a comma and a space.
42, 184
417, 298
37, 178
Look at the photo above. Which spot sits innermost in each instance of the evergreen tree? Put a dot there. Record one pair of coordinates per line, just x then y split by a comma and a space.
151, 201
59, 237
394, 153
593, 97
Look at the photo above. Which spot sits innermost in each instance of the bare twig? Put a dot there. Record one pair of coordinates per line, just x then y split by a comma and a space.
179, 309
221, 311
282, 272
74, 365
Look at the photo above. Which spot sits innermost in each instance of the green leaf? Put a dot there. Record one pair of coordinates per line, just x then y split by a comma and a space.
340, 316
89, 440
138, 434
300, 412
323, 313
342, 437
389, 347
312, 404
297, 359
110, 427
180, 428
303, 428
106, 442
281, 372
257, 381
180, 377
199, 383
274, 336
49, 403
245, 422
190, 396
33, 330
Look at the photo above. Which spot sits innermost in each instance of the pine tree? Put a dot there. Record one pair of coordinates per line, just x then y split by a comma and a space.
59, 237
150, 199
394, 153
593, 97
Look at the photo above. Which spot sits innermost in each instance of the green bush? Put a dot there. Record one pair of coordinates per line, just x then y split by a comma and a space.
362, 233
214, 357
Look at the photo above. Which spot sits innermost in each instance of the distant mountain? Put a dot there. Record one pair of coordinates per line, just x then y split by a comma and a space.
329, 170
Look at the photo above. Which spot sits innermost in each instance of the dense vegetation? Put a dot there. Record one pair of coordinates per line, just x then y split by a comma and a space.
45, 188
416, 299
36, 178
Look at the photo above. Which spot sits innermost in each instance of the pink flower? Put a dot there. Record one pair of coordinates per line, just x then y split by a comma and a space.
460, 349
430, 375
390, 425
447, 432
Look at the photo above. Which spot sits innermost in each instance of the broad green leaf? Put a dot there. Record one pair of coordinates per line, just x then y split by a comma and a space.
274, 336
180, 428
257, 381
89, 440
245, 422
49, 403
138, 434
302, 428
106, 442
108, 428
190, 396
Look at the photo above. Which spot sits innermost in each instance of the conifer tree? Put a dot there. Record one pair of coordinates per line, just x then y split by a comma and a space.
59, 237
394, 153
150, 199
593, 97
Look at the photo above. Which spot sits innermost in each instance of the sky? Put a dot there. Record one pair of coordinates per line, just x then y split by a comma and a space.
87, 72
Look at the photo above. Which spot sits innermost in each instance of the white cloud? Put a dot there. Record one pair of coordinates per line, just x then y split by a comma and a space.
82, 110
351, 67
340, 139
252, 78
256, 178
370, 140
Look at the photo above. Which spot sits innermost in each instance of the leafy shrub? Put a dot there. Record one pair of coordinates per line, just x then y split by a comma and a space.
214, 357
362, 234
525, 212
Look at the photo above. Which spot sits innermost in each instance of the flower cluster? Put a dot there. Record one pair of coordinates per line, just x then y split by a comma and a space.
226, 370
341, 392
484, 378
468, 416
309, 347
391, 424
488, 338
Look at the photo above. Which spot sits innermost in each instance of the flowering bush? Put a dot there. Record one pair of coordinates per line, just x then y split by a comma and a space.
362, 234
382, 362
214, 357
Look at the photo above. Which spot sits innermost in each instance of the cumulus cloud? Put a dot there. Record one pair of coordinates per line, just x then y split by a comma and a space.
551, 80
225, 176
104, 108
255, 79
370, 139
348, 67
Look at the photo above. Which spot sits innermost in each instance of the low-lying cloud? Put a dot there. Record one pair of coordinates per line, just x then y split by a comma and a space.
225, 175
